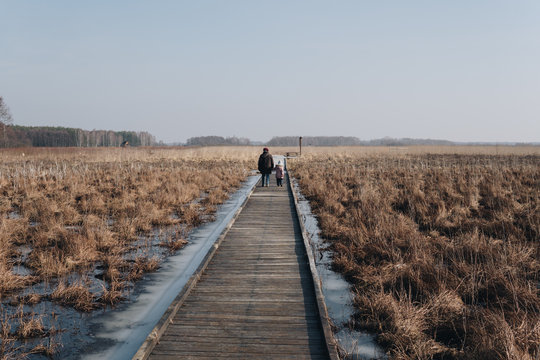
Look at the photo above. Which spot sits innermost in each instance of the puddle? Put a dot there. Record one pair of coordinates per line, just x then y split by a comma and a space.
21, 270
13, 215
338, 297
118, 333
358, 345
24, 251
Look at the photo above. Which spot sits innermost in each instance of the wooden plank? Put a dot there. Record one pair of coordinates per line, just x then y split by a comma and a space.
293, 323
247, 299
187, 315
282, 265
261, 305
263, 290
253, 340
246, 332
287, 283
300, 282
211, 312
198, 355
282, 349
291, 329
243, 276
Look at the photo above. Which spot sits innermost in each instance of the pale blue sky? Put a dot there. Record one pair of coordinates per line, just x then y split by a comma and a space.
463, 70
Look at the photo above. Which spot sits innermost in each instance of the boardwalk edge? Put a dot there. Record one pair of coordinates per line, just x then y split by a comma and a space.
153, 338
331, 343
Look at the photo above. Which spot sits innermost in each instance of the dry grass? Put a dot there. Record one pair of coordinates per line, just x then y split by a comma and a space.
90, 222
76, 295
442, 251
32, 326
344, 152
75, 209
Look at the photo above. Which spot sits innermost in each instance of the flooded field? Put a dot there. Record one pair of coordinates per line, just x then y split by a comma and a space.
440, 251
81, 230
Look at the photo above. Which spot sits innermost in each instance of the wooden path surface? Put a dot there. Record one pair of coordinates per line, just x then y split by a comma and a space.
255, 299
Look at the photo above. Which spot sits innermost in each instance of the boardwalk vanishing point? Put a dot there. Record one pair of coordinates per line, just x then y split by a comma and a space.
256, 295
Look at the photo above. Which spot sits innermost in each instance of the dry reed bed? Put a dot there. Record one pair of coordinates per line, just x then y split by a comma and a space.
442, 251
79, 227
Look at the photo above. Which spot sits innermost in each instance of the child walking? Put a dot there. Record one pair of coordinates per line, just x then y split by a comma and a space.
279, 174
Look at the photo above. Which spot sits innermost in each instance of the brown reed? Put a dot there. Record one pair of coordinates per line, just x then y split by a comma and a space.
441, 250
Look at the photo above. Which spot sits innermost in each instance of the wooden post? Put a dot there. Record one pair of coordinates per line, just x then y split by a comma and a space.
300, 143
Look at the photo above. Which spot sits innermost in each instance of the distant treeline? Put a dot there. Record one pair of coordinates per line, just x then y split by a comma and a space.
314, 141
216, 140
17, 136
350, 141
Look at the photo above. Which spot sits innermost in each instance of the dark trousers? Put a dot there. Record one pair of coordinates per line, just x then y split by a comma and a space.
279, 181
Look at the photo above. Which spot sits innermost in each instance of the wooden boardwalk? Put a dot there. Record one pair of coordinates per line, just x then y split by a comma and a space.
256, 298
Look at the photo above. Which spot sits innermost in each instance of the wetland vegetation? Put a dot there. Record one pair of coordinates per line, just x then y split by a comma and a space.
440, 248
79, 227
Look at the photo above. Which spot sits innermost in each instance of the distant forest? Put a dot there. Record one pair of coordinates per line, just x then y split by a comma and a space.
309, 141
21, 136
314, 141
330, 141
216, 140
350, 141
18, 136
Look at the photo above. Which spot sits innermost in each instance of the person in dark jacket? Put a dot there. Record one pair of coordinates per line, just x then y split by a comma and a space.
266, 164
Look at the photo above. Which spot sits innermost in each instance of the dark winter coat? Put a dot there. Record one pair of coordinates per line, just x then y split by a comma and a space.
266, 163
